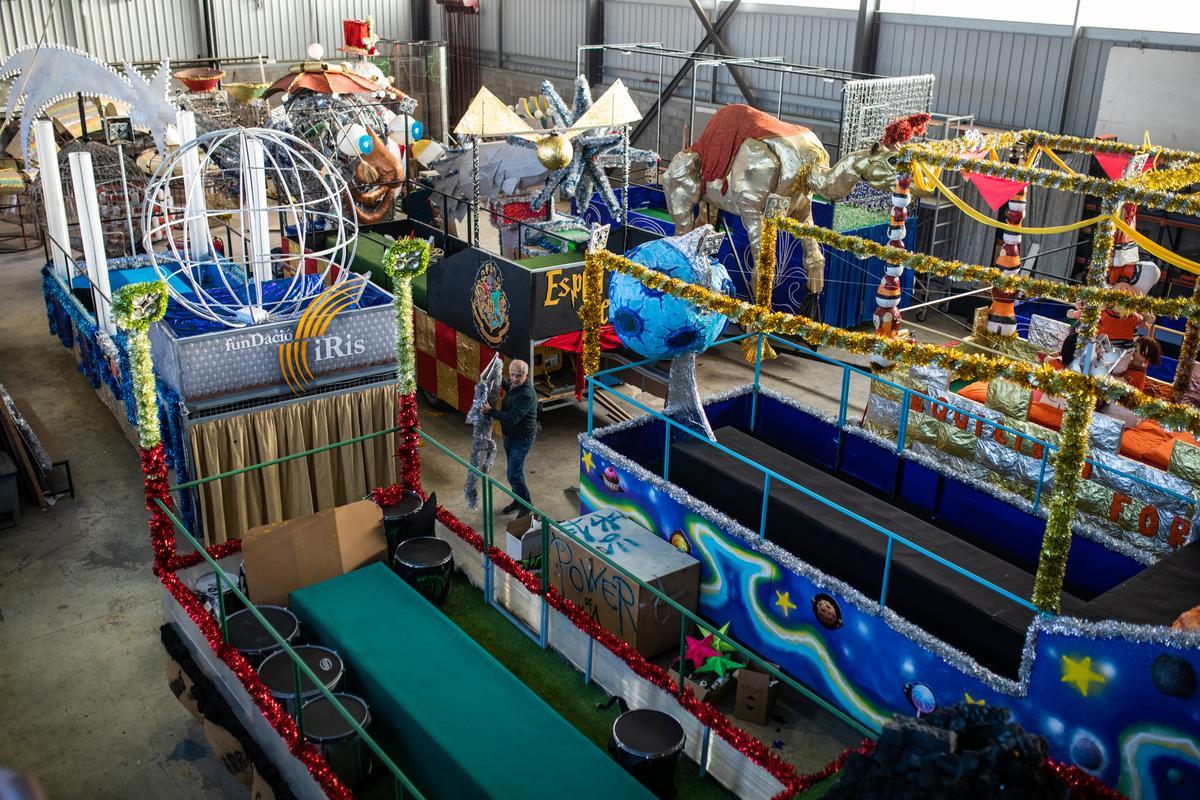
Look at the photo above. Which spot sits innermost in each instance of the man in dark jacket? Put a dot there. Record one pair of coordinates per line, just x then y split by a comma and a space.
517, 416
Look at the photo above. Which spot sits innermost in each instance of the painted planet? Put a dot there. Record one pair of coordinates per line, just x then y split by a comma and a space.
921, 697
1086, 752
1173, 676
658, 325
680, 542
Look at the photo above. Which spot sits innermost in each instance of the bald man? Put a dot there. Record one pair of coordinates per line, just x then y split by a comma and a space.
517, 416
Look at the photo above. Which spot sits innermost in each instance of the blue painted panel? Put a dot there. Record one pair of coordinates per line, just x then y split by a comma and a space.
1121, 708
919, 485
869, 463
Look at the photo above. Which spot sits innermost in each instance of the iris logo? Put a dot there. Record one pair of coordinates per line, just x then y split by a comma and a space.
311, 327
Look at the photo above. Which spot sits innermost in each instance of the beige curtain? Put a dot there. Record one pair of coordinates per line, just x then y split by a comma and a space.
231, 506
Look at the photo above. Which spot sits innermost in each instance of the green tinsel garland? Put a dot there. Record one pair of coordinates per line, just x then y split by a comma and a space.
405, 260
135, 307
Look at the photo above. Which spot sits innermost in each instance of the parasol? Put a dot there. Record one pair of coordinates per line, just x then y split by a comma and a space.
325, 79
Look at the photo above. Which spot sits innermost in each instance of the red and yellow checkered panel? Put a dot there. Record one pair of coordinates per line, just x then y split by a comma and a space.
448, 361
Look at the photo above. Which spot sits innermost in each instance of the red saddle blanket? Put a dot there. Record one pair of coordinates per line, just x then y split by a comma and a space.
726, 131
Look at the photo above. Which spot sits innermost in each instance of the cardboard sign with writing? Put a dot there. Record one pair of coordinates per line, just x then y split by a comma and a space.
283, 556
619, 603
229, 752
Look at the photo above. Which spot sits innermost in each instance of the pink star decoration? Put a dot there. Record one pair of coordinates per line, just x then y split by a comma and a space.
699, 650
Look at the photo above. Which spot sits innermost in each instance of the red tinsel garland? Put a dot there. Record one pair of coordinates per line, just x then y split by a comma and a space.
408, 440
385, 496
1083, 785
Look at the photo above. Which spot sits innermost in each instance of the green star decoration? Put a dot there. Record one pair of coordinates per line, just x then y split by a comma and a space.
719, 643
720, 665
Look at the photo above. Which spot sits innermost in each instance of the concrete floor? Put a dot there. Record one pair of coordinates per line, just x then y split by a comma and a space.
82, 680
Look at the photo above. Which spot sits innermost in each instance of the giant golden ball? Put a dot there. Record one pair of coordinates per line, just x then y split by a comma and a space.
554, 151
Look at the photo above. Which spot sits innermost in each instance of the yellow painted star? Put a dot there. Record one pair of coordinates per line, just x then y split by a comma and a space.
587, 462
971, 701
784, 601
1080, 674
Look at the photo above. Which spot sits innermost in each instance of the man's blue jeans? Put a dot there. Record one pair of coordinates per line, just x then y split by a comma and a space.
515, 450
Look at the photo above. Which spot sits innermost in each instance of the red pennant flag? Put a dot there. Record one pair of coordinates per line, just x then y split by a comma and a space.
994, 191
1114, 164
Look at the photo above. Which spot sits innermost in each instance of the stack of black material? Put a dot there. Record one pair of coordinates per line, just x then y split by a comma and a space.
967, 752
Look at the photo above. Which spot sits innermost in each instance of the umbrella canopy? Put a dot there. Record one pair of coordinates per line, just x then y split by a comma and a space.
325, 79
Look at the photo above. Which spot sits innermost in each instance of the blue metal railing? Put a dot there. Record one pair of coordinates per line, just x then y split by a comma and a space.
907, 394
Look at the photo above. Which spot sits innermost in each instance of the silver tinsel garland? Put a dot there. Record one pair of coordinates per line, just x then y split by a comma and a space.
483, 446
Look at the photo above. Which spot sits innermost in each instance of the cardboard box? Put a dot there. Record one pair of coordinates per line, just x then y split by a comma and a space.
619, 603
706, 693
283, 556
522, 539
755, 694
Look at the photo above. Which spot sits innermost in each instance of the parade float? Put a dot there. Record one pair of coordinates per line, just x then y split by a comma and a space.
937, 532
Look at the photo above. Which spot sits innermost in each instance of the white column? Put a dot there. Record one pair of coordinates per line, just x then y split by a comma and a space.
52, 198
199, 239
92, 233
257, 219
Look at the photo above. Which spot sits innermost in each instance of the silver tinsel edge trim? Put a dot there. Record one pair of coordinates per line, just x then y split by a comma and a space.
1127, 631
955, 658
646, 419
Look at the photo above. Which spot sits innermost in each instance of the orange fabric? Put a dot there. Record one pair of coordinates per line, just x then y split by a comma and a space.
976, 391
1119, 328
1147, 442
726, 131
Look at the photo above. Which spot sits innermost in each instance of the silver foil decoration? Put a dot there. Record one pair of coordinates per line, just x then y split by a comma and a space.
1105, 433
683, 396
930, 379
1047, 334
483, 445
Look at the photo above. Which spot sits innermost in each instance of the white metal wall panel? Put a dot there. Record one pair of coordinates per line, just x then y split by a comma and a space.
1008, 75
280, 29
542, 33
669, 22
22, 21
812, 37
141, 30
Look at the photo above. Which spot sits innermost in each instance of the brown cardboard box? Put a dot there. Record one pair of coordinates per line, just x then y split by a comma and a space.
755, 694
283, 556
705, 694
618, 603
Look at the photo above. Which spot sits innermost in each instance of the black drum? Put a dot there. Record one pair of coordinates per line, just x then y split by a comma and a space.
341, 745
426, 563
399, 519
248, 635
649, 744
279, 675
206, 590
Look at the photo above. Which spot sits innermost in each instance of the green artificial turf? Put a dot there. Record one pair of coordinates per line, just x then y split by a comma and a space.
553, 679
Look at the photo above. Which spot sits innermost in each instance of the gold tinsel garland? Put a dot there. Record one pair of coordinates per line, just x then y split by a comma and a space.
1172, 179
1126, 191
961, 271
966, 365
1187, 353
1068, 467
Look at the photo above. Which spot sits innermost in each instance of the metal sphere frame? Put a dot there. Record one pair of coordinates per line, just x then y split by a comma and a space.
176, 209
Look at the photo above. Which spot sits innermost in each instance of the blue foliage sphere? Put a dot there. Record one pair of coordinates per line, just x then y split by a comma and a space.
658, 325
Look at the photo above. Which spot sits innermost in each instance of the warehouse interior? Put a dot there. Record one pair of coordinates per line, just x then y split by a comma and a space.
673, 398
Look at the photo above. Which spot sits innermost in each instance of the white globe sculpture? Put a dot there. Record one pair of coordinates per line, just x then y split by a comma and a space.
272, 181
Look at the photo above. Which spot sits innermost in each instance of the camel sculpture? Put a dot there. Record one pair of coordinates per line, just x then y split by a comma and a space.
745, 155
